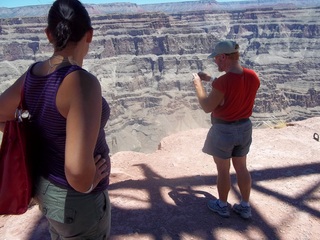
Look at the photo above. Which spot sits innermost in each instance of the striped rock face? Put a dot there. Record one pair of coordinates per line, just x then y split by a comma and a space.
145, 62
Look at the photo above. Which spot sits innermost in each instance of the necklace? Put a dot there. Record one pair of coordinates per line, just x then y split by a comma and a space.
63, 60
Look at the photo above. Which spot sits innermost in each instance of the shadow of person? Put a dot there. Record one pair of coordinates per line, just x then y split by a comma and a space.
188, 196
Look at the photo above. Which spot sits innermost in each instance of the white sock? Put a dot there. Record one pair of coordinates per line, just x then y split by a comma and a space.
244, 203
221, 203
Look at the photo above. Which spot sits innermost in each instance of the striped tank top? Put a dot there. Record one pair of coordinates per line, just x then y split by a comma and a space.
40, 99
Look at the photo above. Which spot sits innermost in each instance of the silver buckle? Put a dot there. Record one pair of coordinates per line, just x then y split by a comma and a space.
22, 115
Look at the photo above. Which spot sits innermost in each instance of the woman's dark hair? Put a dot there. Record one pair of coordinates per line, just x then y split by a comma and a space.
68, 21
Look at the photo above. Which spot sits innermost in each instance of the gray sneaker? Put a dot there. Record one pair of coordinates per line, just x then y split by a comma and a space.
214, 206
244, 212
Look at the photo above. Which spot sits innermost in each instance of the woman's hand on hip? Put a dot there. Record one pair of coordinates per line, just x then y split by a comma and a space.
101, 169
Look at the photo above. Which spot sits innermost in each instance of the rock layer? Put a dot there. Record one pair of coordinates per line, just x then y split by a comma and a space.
144, 62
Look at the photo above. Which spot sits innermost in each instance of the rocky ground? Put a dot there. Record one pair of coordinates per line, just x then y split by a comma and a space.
163, 195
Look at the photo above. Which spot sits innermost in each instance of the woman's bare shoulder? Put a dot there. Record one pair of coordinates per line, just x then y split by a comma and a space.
82, 79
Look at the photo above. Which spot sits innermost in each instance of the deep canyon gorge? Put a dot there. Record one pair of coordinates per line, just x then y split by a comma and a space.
144, 58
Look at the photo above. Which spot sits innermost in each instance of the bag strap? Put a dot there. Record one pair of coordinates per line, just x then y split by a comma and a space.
21, 105
22, 113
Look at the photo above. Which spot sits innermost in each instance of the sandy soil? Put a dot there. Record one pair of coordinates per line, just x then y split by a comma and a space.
163, 195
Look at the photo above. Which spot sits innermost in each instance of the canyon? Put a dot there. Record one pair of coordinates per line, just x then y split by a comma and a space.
145, 55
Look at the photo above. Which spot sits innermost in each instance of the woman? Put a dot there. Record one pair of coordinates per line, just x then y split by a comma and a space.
69, 113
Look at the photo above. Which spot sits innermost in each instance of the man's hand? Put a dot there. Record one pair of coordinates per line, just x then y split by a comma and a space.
208, 103
197, 81
204, 77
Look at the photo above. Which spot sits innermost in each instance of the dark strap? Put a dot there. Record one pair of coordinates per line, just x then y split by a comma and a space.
21, 104
22, 113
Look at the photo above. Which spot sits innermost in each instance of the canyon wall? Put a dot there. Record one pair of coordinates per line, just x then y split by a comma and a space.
145, 62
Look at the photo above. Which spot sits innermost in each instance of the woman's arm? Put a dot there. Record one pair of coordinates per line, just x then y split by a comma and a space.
9, 100
79, 100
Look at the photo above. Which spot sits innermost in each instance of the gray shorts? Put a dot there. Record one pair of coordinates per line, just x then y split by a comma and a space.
73, 215
229, 140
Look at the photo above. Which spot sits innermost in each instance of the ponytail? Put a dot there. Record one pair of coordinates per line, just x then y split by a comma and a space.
68, 21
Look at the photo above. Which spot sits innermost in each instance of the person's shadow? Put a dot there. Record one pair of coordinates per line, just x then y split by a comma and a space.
182, 210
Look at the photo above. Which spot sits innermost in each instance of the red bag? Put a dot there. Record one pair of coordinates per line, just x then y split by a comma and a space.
15, 175
15, 180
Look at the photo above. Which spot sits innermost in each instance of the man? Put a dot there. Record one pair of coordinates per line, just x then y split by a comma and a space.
230, 103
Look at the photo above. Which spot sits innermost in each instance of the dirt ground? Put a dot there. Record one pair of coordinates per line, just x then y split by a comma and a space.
163, 195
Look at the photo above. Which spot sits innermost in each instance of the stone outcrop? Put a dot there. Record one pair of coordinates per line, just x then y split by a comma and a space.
144, 62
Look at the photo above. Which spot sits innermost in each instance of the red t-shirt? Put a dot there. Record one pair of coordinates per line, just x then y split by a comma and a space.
239, 94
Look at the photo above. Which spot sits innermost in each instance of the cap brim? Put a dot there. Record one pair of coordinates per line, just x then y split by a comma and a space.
212, 55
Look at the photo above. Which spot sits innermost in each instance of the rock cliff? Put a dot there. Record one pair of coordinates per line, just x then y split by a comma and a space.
144, 62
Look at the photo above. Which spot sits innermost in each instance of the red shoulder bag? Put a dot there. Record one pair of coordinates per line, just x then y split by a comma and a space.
15, 175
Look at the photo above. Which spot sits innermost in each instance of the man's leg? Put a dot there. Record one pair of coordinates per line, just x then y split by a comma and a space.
223, 178
243, 176
244, 183
220, 205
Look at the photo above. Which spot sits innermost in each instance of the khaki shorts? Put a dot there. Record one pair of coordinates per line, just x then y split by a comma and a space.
73, 215
229, 140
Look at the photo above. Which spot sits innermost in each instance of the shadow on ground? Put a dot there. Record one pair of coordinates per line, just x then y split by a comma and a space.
189, 216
